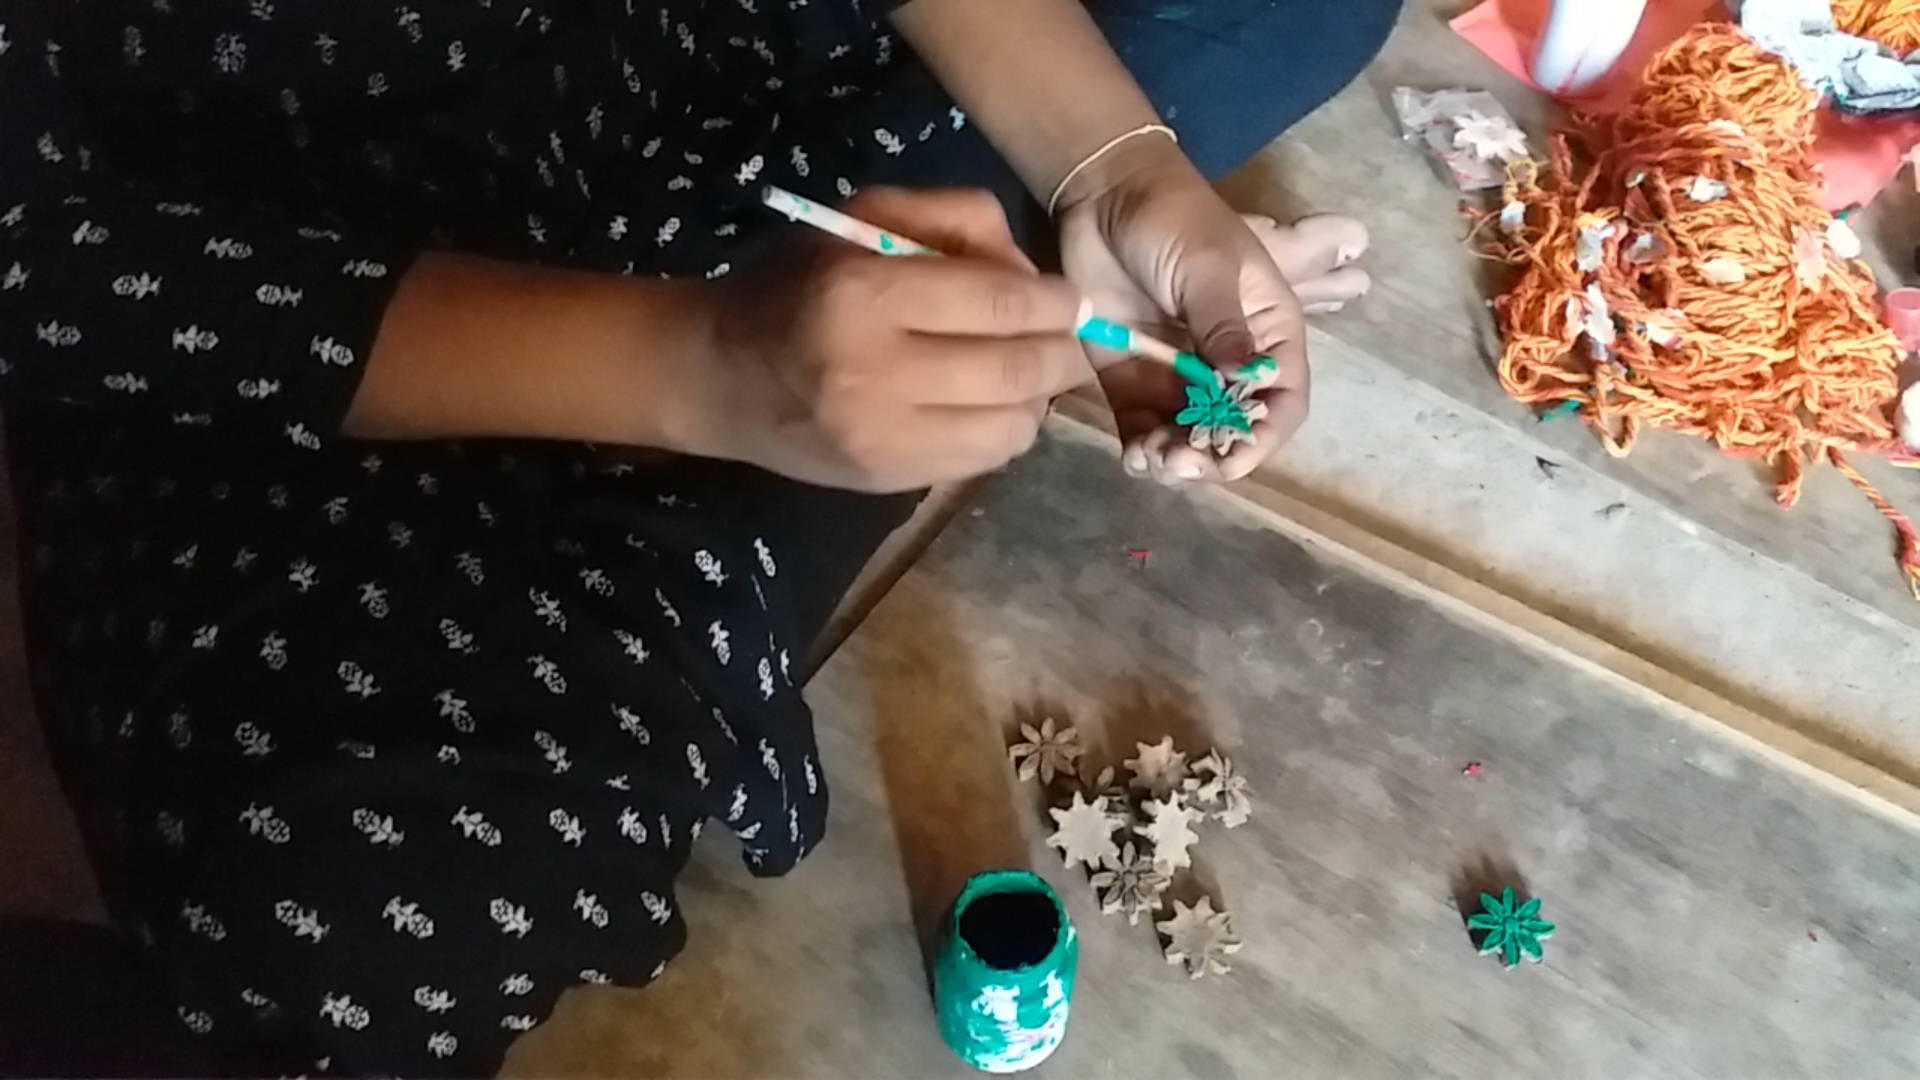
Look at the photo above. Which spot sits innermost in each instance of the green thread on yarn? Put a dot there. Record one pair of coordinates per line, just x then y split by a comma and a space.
1003, 973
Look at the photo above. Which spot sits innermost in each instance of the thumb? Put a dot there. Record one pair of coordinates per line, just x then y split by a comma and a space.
1207, 294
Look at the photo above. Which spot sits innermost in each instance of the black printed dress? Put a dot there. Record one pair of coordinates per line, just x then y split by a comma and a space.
382, 747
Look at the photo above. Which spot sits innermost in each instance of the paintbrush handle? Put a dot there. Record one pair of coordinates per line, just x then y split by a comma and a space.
845, 226
1091, 328
1123, 338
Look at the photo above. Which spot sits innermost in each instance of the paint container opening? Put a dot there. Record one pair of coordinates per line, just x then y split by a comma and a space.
1011, 930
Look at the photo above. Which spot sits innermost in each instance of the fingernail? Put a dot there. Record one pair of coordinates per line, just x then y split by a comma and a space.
1347, 255
1258, 366
1190, 471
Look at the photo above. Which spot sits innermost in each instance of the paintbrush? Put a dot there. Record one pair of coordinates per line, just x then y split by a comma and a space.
1091, 327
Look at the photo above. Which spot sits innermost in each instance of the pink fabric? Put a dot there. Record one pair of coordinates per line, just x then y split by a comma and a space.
1858, 156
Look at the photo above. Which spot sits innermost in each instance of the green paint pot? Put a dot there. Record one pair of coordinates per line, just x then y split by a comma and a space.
1003, 971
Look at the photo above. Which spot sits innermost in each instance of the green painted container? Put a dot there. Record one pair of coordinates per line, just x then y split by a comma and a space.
1003, 971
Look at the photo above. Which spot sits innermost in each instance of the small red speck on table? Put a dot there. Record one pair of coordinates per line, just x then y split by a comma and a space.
1473, 768
1139, 555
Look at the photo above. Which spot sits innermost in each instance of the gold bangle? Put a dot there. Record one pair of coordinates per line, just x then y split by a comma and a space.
1144, 129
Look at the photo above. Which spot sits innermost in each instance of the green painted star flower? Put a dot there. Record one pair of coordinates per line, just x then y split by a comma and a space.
1220, 411
1212, 405
1512, 927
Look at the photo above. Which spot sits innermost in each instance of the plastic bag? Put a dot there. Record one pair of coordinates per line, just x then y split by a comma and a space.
1467, 133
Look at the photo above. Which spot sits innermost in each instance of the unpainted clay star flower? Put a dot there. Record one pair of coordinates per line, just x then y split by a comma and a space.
1513, 928
1221, 413
1046, 751
1159, 769
1132, 888
1107, 785
1220, 791
1489, 137
1170, 831
1085, 833
1199, 938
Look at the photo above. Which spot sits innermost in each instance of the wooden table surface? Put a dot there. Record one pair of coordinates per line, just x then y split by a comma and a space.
1716, 918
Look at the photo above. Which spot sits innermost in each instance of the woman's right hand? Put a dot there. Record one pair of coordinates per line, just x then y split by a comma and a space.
878, 373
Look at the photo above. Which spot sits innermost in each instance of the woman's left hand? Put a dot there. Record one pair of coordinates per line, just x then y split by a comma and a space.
1150, 243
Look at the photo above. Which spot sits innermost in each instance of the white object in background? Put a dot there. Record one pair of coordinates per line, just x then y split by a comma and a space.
1908, 422
1582, 42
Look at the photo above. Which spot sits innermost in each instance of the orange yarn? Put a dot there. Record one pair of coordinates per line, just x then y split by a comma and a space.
1788, 363
1895, 23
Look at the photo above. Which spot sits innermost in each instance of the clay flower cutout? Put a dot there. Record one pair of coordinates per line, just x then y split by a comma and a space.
1108, 786
1171, 831
1085, 833
1046, 752
1219, 791
1159, 769
1489, 137
1221, 413
1199, 938
1512, 927
1133, 886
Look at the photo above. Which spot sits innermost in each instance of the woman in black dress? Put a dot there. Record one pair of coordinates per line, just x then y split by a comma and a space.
433, 465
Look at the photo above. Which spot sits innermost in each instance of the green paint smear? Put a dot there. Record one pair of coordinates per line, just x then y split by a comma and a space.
887, 243
1256, 367
1193, 369
1003, 971
1513, 928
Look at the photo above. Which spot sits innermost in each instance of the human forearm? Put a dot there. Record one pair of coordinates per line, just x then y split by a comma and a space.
476, 348
1037, 77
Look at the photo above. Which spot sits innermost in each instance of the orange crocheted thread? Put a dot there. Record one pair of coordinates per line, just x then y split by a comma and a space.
1895, 23
1684, 276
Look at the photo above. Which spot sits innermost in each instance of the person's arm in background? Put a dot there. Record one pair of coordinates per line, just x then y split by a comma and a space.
157, 304
1141, 230
830, 364
1038, 78
823, 362
475, 347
